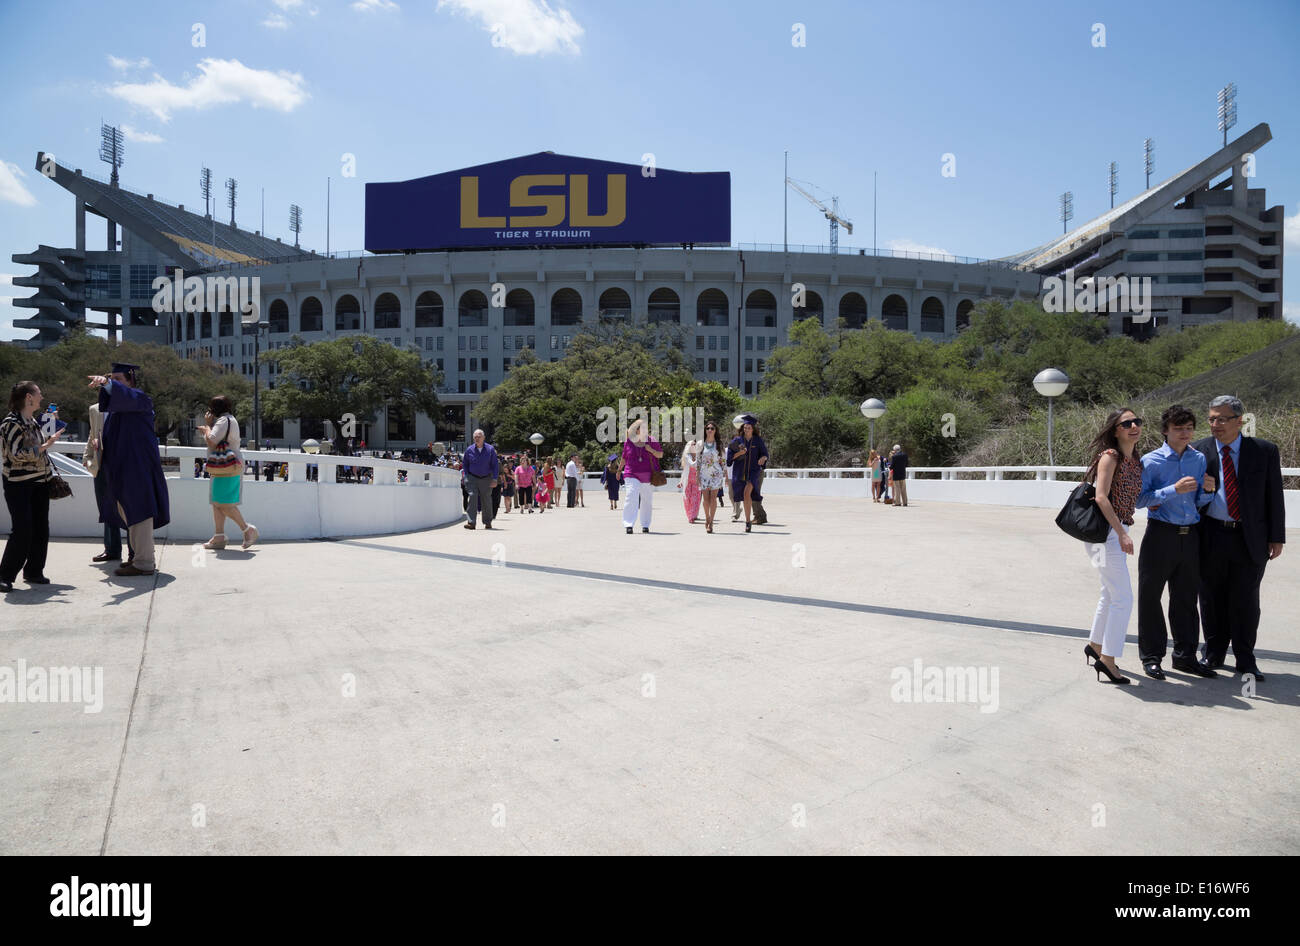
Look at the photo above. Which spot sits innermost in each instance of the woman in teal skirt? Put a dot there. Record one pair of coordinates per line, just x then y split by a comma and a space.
225, 466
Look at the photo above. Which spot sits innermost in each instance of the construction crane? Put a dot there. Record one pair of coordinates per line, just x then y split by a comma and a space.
832, 214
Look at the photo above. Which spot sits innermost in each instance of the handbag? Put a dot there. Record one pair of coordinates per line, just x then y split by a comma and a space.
223, 461
657, 477
1080, 517
59, 488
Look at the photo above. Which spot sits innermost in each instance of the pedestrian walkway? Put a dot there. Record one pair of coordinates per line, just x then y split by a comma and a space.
558, 686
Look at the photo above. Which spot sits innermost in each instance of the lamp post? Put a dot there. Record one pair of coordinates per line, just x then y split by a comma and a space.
1050, 383
536, 441
257, 404
872, 408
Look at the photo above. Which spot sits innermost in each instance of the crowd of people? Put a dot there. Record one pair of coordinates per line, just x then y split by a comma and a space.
1216, 518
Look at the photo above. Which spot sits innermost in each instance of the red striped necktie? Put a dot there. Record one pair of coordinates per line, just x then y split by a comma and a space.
1230, 485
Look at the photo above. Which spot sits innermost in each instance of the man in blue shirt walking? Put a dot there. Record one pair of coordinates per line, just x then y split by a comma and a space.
1175, 487
480, 468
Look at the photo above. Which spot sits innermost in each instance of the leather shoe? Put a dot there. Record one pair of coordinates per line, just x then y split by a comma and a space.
130, 571
1187, 665
1259, 677
39, 580
6, 586
1153, 671
105, 557
1213, 661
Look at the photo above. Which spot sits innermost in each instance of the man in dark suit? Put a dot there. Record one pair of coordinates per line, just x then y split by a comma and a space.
1244, 527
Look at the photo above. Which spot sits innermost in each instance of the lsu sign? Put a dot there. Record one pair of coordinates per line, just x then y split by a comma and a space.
548, 199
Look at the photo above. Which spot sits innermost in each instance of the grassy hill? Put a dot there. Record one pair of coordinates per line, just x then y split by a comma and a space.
1269, 376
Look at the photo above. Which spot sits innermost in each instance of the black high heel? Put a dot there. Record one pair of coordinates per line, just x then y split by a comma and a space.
747, 525
1102, 668
1089, 652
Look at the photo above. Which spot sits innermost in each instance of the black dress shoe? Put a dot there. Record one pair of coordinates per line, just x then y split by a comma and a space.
644, 529
105, 557
1259, 677
1213, 661
40, 580
629, 530
1153, 671
1187, 665
6, 586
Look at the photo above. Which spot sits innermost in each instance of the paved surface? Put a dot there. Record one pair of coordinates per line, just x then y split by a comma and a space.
662, 693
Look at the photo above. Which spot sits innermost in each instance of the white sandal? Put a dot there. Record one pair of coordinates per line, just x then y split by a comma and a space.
250, 535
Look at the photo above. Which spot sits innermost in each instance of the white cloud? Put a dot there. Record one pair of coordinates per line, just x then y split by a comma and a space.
1291, 230
7, 287
222, 82
11, 188
367, 5
131, 133
527, 27
120, 64
288, 4
276, 22
911, 246
1291, 312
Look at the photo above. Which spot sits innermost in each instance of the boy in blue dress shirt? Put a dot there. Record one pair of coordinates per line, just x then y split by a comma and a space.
1175, 487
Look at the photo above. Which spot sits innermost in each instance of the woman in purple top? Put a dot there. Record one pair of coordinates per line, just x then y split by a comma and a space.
640, 453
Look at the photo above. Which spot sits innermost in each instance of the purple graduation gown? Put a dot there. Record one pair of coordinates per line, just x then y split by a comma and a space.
132, 468
746, 469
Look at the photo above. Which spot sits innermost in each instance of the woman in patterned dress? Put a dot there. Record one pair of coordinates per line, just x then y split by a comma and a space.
689, 484
711, 470
1118, 473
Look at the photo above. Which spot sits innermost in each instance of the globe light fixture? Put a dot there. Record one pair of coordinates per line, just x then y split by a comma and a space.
1051, 383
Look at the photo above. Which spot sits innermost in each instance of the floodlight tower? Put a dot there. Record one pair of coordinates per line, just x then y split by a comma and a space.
1227, 109
1067, 210
231, 187
1149, 158
1114, 182
111, 149
295, 222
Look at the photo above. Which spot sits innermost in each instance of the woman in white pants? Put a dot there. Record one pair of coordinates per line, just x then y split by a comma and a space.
1119, 481
640, 451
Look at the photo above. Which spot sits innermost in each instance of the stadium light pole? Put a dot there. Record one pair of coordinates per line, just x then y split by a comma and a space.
1148, 152
1114, 183
872, 408
1051, 383
1227, 109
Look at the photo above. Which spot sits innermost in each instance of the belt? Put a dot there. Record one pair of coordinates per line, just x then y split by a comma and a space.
1182, 530
1223, 523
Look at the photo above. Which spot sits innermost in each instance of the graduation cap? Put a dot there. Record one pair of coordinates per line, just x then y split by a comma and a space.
120, 367
740, 420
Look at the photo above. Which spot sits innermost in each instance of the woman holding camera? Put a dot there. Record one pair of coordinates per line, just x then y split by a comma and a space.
26, 474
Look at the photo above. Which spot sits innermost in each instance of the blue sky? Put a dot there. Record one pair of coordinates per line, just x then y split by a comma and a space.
283, 89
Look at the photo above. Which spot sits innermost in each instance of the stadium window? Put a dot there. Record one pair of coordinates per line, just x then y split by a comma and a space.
505, 364
461, 386
519, 343
473, 385
142, 277
483, 342
1186, 234
699, 342
726, 342
473, 364
1144, 234
762, 365
749, 364
532, 342
461, 342
566, 339
439, 343
505, 342
762, 342
1188, 255
460, 364
749, 387
749, 343
713, 365
713, 343
771, 342
439, 364
555, 342
473, 343
725, 365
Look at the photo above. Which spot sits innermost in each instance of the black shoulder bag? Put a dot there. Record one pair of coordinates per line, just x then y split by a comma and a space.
1080, 518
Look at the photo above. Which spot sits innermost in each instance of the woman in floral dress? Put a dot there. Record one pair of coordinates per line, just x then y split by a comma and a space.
710, 468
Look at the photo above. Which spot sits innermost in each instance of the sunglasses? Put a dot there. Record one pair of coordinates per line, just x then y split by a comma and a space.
1131, 422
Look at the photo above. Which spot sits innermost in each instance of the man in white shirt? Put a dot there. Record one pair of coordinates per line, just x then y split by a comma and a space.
571, 481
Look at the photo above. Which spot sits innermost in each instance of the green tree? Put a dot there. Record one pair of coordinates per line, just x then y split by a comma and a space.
356, 376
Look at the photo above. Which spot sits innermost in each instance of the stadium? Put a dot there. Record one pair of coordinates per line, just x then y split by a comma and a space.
470, 267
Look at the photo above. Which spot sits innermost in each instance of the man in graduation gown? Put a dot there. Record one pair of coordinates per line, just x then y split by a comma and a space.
135, 491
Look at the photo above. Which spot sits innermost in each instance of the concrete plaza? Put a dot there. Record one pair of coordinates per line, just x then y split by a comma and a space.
557, 686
